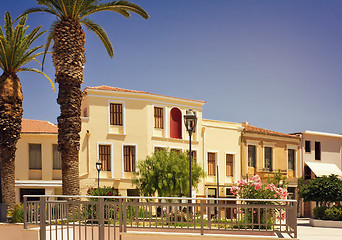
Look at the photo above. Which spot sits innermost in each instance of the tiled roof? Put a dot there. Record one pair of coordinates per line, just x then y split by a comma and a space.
251, 129
38, 126
115, 89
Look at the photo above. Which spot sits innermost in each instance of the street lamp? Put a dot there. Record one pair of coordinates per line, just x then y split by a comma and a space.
98, 168
190, 121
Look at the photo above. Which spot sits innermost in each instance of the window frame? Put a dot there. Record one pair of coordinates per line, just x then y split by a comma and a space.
318, 154
41, 157
255, 152
215, 158
294, 159
112, 114
56, 154
271, 160
232, 165
307, 146
161, 118
110, 159
134, 165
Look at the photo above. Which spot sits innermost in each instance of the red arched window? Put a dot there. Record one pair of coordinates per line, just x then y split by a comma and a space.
176, 123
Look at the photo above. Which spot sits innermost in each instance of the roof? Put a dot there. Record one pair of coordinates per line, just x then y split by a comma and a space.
324, 169
251, 129
38, 126
322, 134
115, 89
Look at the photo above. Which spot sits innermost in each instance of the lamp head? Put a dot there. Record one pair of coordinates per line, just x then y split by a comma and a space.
98, 165
190, 120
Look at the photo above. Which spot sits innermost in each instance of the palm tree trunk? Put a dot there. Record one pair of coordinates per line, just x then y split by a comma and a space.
11, 112
68, 58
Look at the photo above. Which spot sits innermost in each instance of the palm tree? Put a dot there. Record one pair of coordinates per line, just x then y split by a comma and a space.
15, 51
68, 58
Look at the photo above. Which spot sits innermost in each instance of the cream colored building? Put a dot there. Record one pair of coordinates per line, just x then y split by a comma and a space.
121, 127
37, 163
321, 156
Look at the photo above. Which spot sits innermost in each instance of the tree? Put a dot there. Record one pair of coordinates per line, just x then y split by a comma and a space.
324, 190
166, 173
279, 180
68, 58
15, 51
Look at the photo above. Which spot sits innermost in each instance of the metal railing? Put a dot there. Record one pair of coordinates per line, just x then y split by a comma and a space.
106, 217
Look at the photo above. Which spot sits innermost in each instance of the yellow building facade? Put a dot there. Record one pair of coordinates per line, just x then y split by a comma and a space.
121, 127
37, 161
265, 152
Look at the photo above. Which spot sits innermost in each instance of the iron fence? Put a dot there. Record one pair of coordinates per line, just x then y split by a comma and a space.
100, 218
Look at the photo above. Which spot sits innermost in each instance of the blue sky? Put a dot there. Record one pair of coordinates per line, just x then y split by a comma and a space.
275, 64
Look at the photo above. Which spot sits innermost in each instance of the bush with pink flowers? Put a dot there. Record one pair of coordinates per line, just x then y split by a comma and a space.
254, 189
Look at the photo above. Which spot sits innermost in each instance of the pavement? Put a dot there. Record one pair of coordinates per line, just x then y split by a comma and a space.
306, 232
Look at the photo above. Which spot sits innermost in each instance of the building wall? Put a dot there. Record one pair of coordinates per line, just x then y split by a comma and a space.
221, 138
46, 178
137, 130
331, 147
280, 146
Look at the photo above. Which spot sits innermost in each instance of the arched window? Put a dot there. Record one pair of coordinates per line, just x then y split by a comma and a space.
176, 123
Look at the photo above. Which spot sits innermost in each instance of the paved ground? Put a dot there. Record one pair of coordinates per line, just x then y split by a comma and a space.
306, 232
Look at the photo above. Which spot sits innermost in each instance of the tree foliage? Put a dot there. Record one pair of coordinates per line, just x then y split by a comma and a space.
278, 179
166, 174
324, 190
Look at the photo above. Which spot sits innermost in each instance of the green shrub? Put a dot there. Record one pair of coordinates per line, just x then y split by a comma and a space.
334, 213
18, 213
319, 212
103, 191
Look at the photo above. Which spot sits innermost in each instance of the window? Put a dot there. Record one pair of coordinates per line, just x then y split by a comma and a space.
317, 150
307, 146
211, 164
57, 161
129, 158
158, 117
291, 159
104, 157
175, 150
156, 149
116, 114
251, 156
307, 173
176, 123
193, 156
229, 165
268, 159
31, 191
35, 156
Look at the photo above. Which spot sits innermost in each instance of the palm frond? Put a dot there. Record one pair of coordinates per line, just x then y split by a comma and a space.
40, 9
121, 7
48, 41
101, 33
15, 46
40, 72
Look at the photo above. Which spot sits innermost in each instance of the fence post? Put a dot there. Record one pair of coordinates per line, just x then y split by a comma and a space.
120, 215
42, 218
25, 212
124, 213
202, 215
101, 218
295, 219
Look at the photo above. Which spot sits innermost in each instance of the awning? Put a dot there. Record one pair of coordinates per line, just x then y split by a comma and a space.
324, 169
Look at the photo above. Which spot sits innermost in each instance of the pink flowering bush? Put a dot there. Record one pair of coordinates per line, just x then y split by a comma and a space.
254, 189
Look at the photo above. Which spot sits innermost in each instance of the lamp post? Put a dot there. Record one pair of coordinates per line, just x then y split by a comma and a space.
98, 168
190, 121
